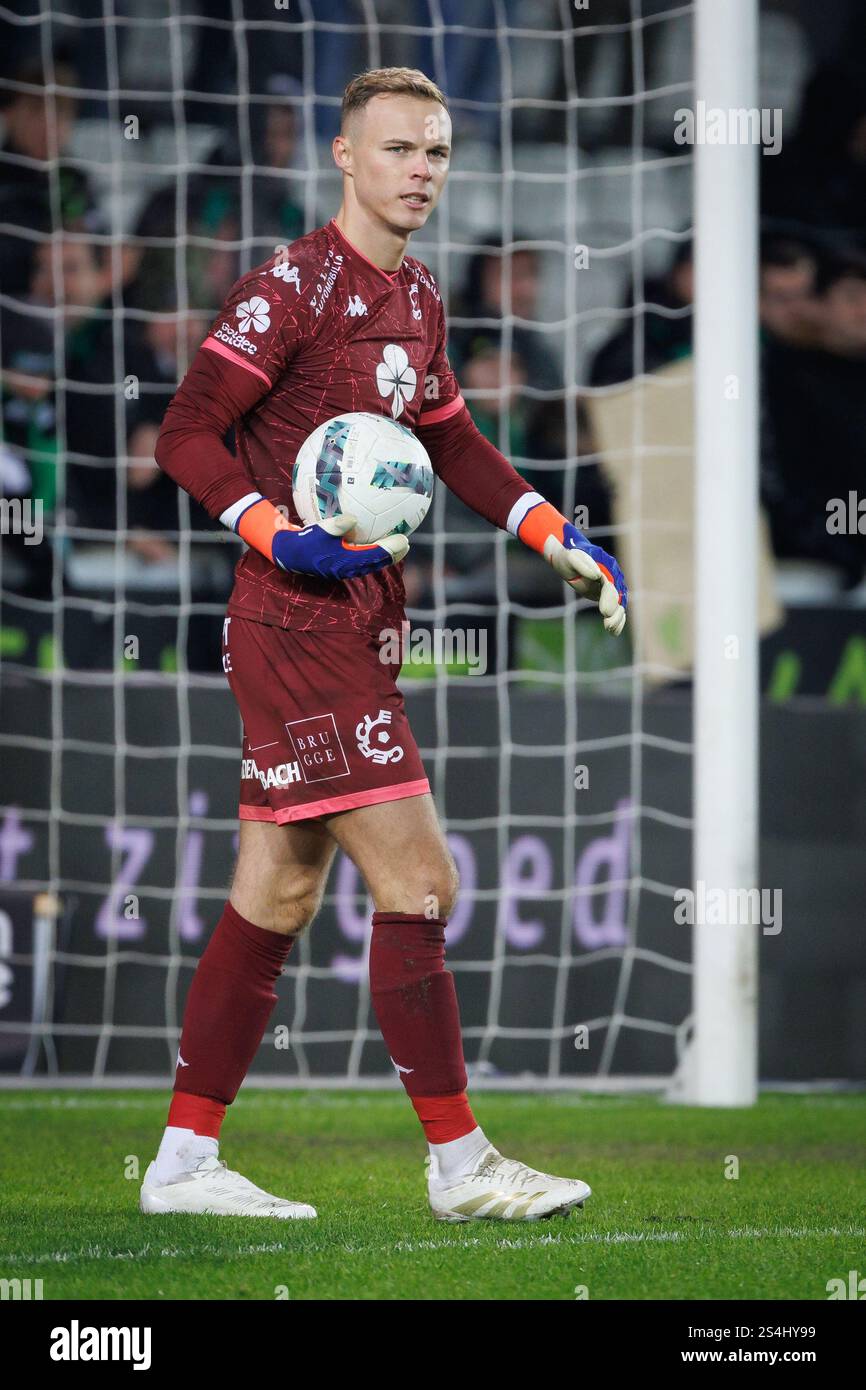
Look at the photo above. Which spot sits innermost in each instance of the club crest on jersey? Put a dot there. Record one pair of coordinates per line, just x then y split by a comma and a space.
355, 306
395, 377
413, 293
254, 315
290, 273
386, 752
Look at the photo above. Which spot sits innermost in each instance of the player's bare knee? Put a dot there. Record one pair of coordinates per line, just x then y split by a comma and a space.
298, 899
448, 888
433, 890
278, 902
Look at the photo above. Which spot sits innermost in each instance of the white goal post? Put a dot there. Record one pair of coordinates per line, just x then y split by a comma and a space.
719, 1066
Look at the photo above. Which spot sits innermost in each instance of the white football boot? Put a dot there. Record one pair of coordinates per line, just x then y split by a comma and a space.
212, 1189
501, 1189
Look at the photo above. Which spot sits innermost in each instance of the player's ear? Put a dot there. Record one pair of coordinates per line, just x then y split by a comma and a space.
342, 152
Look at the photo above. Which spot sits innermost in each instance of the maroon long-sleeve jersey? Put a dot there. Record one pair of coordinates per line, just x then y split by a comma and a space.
317, 331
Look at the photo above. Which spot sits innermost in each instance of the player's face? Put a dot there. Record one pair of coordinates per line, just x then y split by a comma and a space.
400, 149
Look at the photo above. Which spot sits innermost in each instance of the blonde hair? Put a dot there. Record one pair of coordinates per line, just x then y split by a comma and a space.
409, 82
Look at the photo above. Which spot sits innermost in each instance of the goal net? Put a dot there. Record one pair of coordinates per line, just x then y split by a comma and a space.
185, 143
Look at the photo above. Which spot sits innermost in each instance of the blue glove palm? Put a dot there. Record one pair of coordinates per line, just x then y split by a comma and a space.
320, 550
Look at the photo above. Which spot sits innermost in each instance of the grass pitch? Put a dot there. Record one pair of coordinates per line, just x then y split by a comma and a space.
664, 1221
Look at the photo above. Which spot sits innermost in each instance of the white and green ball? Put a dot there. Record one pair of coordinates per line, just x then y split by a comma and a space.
368, 465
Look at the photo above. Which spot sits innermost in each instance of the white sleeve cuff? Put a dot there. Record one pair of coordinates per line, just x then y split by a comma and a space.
518, 512
232, 515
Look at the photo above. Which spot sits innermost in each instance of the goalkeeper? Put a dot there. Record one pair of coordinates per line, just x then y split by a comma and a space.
346, 321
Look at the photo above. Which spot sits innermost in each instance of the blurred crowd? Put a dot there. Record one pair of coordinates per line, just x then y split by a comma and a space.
96, 332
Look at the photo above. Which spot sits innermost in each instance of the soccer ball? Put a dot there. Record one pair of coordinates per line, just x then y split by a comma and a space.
368, 465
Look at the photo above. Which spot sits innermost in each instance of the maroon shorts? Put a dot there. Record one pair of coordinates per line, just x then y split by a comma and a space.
325, 727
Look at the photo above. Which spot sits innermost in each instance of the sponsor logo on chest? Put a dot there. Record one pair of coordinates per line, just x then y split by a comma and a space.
325, 282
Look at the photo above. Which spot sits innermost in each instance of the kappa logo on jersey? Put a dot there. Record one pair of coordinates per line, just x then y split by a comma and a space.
254, 314
355, 306
395, 376
280, 776
386, 751
290, 273
180, 1062
413, 292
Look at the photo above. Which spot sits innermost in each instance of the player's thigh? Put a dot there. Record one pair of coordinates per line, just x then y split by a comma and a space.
281, 873
401, 852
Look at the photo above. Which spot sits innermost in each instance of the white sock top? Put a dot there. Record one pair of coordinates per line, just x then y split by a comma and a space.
459, 1156
180, 1150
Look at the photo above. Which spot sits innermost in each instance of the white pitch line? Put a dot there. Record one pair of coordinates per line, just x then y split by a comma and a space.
620, 1237
96, 1252
170, 1252
315, 1096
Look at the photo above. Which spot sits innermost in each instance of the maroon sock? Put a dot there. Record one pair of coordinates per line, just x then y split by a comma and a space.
416, 1004
228, 1006
444, 1117
198, 1113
